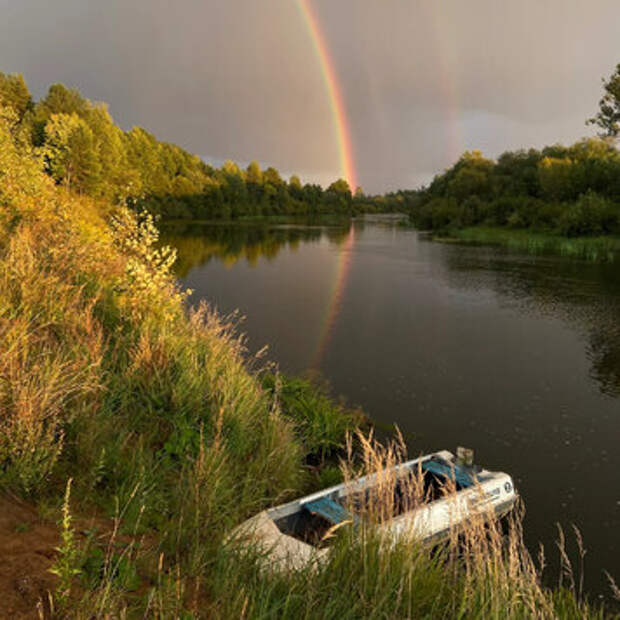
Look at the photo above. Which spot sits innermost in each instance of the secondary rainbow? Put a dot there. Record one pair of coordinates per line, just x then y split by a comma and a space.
454, 141
336, 101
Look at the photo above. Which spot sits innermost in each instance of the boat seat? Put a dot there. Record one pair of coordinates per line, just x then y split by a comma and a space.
454, 472
329, 509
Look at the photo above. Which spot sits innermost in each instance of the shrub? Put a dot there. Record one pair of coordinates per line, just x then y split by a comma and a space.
589, 215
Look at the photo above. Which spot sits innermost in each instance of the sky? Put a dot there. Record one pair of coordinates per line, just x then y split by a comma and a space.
421, 80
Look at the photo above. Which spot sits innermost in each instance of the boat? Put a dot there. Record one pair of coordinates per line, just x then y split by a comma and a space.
450, 491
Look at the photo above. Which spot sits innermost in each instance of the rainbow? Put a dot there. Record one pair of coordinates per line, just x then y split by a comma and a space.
454, 143
336, 101
336, 296
347, 170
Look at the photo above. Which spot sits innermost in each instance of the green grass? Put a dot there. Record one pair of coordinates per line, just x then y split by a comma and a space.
320, 422
602, 249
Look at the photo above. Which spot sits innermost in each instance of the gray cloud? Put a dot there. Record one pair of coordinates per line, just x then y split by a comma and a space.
422, 79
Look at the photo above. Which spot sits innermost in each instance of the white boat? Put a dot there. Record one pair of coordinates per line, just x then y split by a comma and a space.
451, 491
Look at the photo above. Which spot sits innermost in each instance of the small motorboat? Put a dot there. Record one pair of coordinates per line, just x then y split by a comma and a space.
449, 491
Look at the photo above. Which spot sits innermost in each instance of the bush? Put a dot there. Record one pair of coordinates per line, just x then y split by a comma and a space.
591, 215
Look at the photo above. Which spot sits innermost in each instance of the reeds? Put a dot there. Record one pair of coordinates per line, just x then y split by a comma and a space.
593, 249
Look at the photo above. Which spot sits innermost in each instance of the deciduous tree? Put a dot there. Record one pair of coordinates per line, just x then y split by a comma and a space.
608, 116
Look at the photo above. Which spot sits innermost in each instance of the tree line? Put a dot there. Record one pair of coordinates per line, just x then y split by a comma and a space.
84, 150
568, 190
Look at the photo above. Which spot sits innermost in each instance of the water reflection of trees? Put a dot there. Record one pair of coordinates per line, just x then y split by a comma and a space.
197, 244
584, 294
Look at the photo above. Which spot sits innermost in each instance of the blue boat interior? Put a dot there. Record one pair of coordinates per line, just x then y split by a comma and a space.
315, 518
463, 478
329, 509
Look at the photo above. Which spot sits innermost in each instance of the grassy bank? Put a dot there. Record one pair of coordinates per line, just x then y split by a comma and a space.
602, 249
106, 380
143, 434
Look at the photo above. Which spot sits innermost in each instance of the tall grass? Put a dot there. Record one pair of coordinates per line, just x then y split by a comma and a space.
320, 422
482, 571
595, 249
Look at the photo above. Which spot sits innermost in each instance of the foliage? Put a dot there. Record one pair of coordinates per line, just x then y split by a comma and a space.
595, 249
85, 151
568, 191
70, 153
608, 116
590, 215
105, 379
15, 94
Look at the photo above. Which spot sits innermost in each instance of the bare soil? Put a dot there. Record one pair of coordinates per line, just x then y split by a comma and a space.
27, 551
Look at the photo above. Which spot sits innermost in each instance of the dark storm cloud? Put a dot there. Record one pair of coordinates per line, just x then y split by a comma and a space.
239, 79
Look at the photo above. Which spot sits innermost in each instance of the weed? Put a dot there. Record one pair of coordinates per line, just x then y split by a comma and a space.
66, 566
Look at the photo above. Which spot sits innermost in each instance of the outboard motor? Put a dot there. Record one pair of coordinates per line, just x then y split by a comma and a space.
465, 460
464, 457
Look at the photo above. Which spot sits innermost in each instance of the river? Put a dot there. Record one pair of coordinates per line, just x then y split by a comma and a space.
516, 356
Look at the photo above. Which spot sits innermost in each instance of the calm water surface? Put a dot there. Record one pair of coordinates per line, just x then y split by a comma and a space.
516, 356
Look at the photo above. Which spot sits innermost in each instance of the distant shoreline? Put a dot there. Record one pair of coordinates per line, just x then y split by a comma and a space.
596, 249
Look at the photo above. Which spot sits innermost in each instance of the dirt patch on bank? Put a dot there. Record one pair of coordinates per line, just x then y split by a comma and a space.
27, 551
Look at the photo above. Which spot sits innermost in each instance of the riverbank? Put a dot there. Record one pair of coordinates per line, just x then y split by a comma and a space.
596, 249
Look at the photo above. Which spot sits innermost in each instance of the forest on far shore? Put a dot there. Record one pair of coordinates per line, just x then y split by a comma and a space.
84, 150
570, 191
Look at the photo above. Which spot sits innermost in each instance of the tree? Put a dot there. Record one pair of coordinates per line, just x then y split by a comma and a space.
471, 176
63, 100
15, 94
143, 154
118, 179
295, 190
271, 175
70, 152
234, 188
83, 149
338, 197
230, 168
254, 174
608, 117
557, 177
340, 187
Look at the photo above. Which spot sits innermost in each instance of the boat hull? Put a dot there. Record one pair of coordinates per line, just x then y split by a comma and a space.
281, 531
